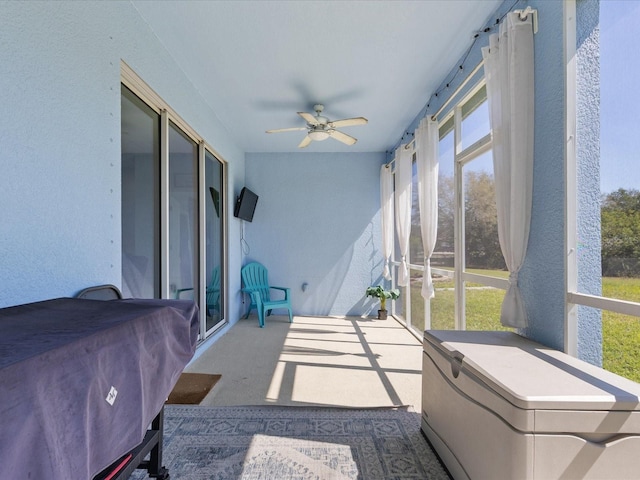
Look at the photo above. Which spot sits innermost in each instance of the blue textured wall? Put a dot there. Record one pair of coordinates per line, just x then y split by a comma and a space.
60, 141
318, 222
543, 275
588, 173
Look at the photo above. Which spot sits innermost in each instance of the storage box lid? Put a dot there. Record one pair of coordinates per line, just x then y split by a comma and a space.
532, 376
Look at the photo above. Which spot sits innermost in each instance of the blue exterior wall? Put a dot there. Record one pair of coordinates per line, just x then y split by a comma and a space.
543, 273
588, 176
60, 228
318, 223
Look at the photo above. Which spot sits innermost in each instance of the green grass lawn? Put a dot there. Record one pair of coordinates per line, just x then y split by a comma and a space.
621, 333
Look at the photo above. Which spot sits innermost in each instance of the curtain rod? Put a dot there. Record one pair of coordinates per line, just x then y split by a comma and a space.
451, 97
523, 14
410, 144
457, 90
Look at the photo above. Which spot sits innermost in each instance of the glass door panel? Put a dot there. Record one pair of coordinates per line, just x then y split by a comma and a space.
214, 268
140, 170
183, 215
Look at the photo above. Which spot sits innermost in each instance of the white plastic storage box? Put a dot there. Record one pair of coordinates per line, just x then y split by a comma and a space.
498, 406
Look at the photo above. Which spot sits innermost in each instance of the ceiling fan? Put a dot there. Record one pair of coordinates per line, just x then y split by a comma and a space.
320, 128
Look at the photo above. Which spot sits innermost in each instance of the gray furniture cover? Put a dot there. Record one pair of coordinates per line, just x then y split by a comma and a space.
81, 380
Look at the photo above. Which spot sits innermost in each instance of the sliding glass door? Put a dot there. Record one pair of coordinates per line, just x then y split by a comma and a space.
173, 211
140, 198
214, 253
183, 215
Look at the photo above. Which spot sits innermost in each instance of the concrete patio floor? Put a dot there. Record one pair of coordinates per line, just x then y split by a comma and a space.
320, 361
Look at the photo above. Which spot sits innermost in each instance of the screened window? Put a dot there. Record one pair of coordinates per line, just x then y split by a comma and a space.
619, 144
442, 261
605, 282
470, 275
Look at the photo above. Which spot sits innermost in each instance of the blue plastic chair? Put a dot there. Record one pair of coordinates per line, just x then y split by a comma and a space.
212, 292
256, 284
100, 292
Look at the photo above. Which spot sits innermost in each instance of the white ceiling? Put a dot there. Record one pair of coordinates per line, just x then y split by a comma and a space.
257, 63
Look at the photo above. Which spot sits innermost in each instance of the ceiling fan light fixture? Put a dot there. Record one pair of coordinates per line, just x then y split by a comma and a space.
320, 128
318, 136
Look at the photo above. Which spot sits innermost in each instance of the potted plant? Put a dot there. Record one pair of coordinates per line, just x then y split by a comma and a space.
382, 294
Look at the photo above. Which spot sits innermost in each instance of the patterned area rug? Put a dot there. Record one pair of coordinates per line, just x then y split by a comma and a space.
287, 443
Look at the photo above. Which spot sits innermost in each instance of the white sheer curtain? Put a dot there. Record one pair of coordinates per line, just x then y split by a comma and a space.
403, 209
427, 142
386, 202
508, 66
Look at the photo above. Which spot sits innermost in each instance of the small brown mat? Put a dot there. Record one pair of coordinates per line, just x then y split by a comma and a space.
191, 388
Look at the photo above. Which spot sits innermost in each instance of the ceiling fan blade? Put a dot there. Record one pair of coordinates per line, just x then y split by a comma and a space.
343, 137
292, 129
310, 119
349, 122
305, 142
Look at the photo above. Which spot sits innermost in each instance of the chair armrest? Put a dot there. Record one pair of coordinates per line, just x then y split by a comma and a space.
178, 292
286, 291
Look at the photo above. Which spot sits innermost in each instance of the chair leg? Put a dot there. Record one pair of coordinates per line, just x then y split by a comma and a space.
261, 318
248, 312
290, 316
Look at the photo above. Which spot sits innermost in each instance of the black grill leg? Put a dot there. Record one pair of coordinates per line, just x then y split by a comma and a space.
155, 468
